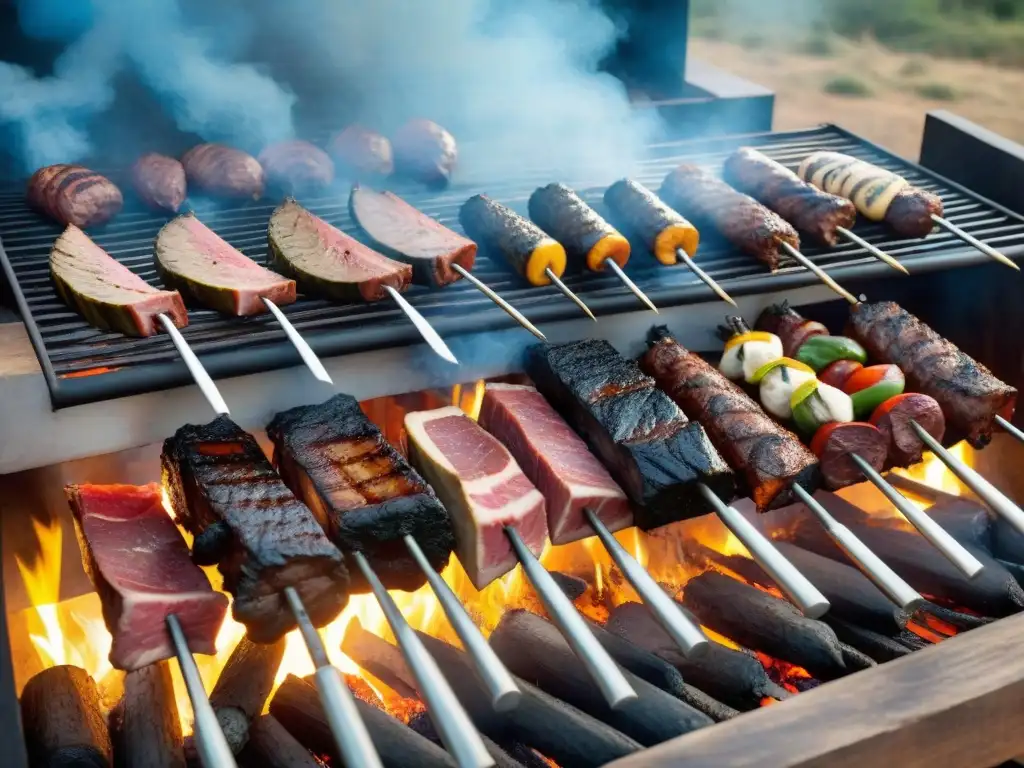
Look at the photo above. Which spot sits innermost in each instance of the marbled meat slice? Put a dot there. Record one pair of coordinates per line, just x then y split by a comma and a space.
656, 455
105, 292
326, 261
193, 258
224, 491
483, 488
556, 460
363, 491
140, 566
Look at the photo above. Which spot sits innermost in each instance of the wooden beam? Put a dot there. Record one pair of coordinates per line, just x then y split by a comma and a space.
956, 704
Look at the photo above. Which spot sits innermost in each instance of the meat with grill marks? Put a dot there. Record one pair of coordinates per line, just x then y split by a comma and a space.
739, 218
224, 171
810, 210
224, 491
73, 194
969, 395
363, 492
160, 182
770, 458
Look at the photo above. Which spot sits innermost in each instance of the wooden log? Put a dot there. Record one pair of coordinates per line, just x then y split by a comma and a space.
145, 727
62, 720
535, 650
424, 726
270, 745
877, 646
296, 705
764, 623
736, 678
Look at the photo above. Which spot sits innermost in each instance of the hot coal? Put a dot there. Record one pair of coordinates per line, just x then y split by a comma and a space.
424, 726
271, 746
144, 726
958, 619
243, 687
876, 646
572, 586
63, 722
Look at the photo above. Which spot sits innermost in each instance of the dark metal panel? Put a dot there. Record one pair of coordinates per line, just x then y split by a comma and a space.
11, 735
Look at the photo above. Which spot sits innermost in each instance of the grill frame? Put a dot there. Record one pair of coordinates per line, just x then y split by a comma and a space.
152, 365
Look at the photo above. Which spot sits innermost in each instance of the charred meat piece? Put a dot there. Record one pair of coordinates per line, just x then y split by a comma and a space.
402, 232
769, 457
140, 566
223, 171
807, 208
72, 194
654, 453
105, 292
482, 487
327, 262
587, 238
556, 460
425, 151
159, 181
362, 151
792, 328
646, 216
247, 522
739, 218
363, 492
297, 166
193, 258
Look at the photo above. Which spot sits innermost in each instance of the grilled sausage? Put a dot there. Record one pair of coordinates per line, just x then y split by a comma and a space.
969, 395
521, 242
910, 213
789, 326
297, 166
739, 218
425, 151
363, 151
807, 208
649, 218
893, 419
770, 458
835, 442
224, 171
160, 181
587, 238
72, 194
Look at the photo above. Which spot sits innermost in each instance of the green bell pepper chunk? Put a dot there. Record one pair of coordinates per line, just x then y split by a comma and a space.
865, 401
821, 351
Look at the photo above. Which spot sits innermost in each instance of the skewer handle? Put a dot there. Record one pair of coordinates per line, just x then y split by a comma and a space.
1014, 432
301, 345
486, 290
633, 287
819, 273
704, 277
568, 293
505, 694
453, 725
211, 744
970, 239
605, 673
879, 254
870, 564
425, 328
199, 374
687, 635
798, 589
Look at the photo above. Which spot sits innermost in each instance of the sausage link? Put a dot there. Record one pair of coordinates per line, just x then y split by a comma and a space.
588, 239
662, 229
73, 194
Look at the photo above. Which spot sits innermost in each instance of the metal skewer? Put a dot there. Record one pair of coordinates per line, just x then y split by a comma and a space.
453, 725
798, 589
1005, 424
870, 564
818, 272
704, 276
569, 294
605, 673
514, 313
199, 374
349, 731
426, 329
951, 549
634, 289
876, 252
305, 351
211, 744
687, 635
982, 488
985, 248
505, 694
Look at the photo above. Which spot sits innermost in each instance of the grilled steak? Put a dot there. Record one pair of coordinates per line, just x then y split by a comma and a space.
769, 457
426, 152
297, 166
327, 262
105, 292
645, 441
160, 182
362, 151
587, 238
644, 215
223, 171
483, 488
225, 493
969, 395
556, 460
193, 258
363, 492
740, 219
72, 194
140, 566
402, 232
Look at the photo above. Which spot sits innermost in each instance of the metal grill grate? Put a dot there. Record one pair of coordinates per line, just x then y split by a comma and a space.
83, 364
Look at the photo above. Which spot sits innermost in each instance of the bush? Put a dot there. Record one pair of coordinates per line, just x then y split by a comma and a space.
819, 44
936, 92
913, 68
847, 85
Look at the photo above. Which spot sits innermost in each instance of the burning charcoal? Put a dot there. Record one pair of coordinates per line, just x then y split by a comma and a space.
424, 726
362, 151
855, 660
959, 620
243, 687
145, 726
874, 645
572, 586
271, 746
967, 521
1007, 542
62, 720
426, 152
